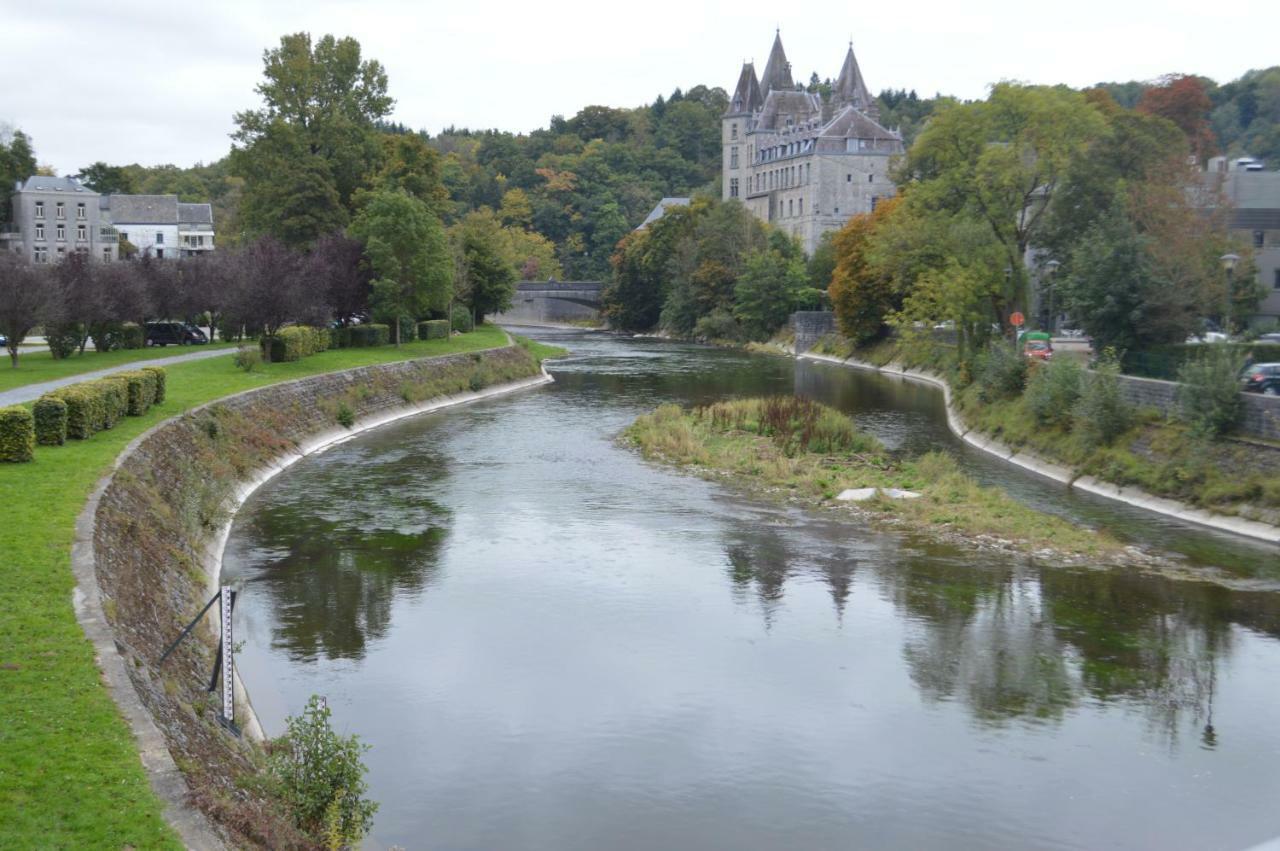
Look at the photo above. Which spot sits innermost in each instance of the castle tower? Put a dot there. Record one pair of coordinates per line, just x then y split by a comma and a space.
735, 156
777, 71
851, 90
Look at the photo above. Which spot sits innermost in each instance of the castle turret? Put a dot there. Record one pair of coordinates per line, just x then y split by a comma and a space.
777, 71
851, 89
747, 97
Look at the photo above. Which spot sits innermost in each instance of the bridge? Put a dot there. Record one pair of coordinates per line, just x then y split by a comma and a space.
553, 302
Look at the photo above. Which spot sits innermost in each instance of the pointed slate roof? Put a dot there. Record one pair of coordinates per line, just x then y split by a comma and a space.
850, 87
777, 71
747, 97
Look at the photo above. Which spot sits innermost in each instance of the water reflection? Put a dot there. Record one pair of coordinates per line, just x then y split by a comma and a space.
337, 552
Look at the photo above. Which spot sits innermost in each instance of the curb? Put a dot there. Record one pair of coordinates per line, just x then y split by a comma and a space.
193, 827
1064, 475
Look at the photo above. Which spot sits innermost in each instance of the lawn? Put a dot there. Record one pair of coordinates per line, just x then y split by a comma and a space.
38, 365
70, 776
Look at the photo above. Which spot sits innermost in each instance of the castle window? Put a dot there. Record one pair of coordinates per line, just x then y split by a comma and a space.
733, 157
733, 187
848, 178
874, 201
791, 208
1259, 238
733, 130
801, 206
871, 178
1277, 281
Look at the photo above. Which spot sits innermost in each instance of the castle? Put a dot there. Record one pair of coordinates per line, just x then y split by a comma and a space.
805, 162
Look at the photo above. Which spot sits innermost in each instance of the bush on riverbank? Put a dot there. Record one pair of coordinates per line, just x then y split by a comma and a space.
17, 434
795, 447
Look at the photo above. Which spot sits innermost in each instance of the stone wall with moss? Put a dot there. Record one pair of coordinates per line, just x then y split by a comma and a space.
156, 522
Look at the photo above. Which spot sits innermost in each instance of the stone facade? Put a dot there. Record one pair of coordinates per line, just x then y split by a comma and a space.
57, 216
804, 161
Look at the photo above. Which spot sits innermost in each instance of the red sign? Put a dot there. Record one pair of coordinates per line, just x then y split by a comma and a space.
1016, 319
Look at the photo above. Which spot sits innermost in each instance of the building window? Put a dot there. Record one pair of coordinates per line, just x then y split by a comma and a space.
733, 187
733, 130
82, 233
874, 201
801, 206
40, 232
1259, 238
62, 251
80, 211
159, 253
106, 255
733, 157
124, 237
1277, 281
791, 207
159, 238
871, 178
848, 178
62, 233
42, 254
39, 209
62, 210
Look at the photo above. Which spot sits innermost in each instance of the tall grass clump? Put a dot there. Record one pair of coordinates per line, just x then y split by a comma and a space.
1102, 414
794, 423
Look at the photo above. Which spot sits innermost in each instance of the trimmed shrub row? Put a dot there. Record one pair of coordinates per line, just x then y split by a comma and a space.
295, 343
463, 321
368, 336
17, 434
433, 329
80, 410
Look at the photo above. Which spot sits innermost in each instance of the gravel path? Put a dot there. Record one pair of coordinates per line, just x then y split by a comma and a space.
29, 392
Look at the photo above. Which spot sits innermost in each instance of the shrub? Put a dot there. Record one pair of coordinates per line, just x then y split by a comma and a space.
140, 388
159, 373
719, 324
461, 319
408, 329
345, 416
294, 343
340, 337
115, 399
1001, 372
17, 434
1053, 390
248, 359
84, 414
63, 340
51, 421
1209, 391
433, 329
316, 771
367, 336
1102, 414
129, 335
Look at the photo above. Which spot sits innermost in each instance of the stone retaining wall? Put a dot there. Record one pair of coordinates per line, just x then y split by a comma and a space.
810, 326
1261, 413
156, 527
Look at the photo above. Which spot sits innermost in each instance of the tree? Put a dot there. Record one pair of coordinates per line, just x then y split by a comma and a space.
1001, 162
488, 282
17, 162
335, 266
1182, 99
769, 289
26, 300
409, 163
862, 291
315, 134
108, 179
270, 290
405, 248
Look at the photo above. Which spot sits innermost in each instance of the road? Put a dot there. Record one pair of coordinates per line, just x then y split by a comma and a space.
18, 395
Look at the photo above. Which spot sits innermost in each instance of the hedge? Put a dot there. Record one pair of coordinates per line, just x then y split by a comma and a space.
1166, 362
159, 373
140, 391
51, 421
295, 343
463, 321
83, 415
17, 434
115, 399
367, 336
340, 337
433, 329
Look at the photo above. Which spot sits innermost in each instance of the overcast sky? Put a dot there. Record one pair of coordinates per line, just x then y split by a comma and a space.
127, 81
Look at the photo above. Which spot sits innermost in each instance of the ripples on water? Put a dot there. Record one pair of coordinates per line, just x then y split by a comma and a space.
553, 644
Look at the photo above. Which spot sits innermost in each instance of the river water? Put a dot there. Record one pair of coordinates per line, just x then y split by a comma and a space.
550, 643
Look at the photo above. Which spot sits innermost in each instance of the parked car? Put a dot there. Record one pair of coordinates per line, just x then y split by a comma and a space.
1272, 337
1038, 349
4, 341
1262, 378
174, 333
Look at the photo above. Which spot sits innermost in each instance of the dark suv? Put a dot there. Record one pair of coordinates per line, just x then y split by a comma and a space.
1262, 378
174, 333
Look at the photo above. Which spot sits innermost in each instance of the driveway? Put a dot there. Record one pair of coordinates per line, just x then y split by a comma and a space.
31, 392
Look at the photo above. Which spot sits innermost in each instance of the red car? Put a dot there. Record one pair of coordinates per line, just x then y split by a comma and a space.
1038, 349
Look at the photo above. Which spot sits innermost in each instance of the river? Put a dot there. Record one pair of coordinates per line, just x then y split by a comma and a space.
550, 643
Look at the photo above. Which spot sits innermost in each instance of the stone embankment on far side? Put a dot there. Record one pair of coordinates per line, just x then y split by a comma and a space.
148, 549
1059, 473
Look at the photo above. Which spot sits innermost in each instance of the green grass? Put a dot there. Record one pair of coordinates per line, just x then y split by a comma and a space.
540, 351
38, 365
741, 440
70, 776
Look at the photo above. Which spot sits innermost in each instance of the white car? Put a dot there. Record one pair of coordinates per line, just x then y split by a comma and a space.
1208, 337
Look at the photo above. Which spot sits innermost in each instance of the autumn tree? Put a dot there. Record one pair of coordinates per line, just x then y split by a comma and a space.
1182, 99
863, 293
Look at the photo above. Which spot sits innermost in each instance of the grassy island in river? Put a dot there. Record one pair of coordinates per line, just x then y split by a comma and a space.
794, 447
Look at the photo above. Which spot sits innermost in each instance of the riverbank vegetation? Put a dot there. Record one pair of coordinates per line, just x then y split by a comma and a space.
796, 448
69, 769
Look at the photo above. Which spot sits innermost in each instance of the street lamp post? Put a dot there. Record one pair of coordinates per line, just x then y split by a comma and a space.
1050, 270
1229, 262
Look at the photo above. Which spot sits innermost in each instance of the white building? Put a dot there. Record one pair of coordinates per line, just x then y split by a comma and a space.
161, 225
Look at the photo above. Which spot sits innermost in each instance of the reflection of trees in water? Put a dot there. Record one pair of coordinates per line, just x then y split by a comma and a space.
760, 562
351, 538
